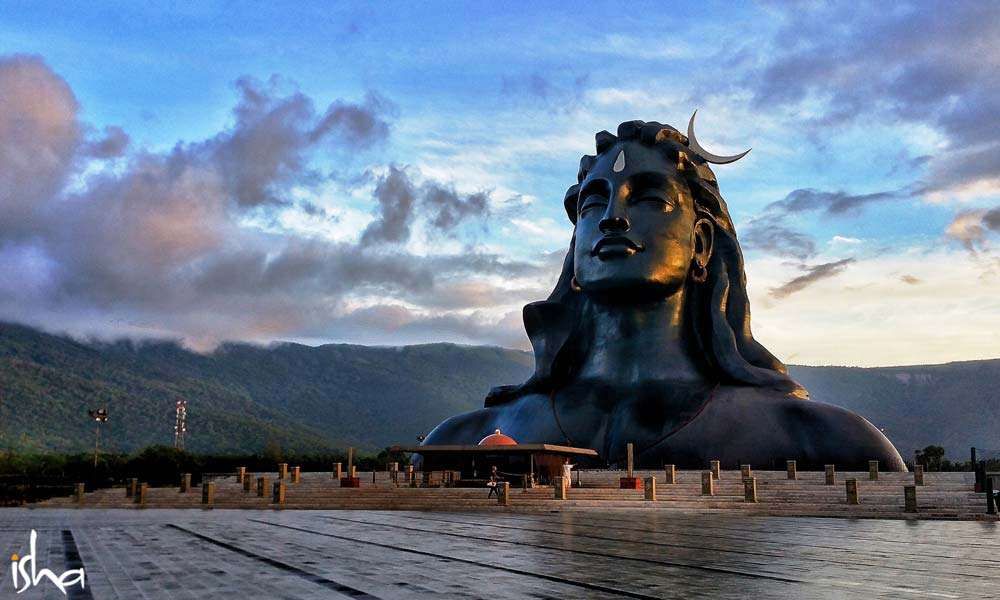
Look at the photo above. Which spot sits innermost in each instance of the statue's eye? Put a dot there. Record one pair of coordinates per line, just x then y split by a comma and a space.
656, 196
593, 201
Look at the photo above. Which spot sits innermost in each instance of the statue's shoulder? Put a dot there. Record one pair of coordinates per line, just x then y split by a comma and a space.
511, 417
825, 430
770, 405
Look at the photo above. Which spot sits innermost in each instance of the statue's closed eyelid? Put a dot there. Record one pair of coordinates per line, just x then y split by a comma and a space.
592, 201
654, 195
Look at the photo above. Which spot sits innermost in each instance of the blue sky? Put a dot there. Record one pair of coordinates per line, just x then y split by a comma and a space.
393, 173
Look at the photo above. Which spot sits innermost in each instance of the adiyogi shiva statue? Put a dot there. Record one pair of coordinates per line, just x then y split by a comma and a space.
646, 337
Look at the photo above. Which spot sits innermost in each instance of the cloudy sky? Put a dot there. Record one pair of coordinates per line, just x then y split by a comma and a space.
392, 174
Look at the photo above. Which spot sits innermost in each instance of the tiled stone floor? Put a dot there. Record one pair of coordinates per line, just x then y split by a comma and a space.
198, 554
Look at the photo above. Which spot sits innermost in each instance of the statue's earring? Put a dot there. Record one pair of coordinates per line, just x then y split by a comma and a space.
699, 273
574, 285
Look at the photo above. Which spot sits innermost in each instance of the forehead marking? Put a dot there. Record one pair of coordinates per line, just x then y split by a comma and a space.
619, 165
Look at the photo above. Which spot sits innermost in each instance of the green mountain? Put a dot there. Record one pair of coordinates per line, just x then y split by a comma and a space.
243, 397
240, 397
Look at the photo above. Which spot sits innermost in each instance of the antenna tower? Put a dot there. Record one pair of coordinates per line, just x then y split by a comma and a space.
180, 424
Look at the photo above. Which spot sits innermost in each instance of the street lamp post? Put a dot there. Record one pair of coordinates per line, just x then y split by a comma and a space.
100, 416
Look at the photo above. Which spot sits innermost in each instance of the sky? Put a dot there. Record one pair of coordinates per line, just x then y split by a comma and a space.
393, 173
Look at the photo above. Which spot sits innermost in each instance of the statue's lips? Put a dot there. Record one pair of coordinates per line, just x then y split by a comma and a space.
615, 246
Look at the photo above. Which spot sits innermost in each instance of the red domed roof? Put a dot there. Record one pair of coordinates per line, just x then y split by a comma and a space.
497, 439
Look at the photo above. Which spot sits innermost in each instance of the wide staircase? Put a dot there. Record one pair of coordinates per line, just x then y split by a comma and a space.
943, 495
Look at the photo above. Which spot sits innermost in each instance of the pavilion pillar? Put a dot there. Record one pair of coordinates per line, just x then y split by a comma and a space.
715, 467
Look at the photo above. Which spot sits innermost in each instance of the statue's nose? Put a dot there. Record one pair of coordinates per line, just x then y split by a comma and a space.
615, 217
614, 224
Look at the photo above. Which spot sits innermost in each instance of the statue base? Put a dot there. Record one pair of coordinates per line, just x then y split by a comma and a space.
630, 483
350, 482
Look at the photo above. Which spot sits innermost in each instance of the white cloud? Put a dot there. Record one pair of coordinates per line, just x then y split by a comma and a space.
840, 239
870, 315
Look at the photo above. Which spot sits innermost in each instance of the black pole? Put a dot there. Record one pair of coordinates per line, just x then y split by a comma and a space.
973, 451
980, 475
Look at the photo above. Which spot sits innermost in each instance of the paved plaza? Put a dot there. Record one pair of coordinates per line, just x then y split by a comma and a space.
199, 554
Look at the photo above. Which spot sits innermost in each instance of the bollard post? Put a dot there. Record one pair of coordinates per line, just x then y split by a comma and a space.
629, 482
350, 462
649, 489
130, 489
140, 494
559, 485
745, 471
185, 483
750, 489
373, 475
991, 500
707, 484
792, 469
918, 474
338, 471
78, 493
910, 498
873, 470
247, 484
296, 474
503, 499
714, 466
669, 474
628, 459
972, 454
278, 496
853, 497
831, 474
980, 469
241, 473
208, 494
282, 470
263, 484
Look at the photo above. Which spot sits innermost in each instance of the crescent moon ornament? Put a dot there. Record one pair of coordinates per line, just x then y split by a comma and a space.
712, 158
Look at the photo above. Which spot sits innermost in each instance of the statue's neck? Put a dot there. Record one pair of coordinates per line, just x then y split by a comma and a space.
635, 343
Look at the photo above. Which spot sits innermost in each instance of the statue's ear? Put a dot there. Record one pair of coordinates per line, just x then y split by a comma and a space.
704, 238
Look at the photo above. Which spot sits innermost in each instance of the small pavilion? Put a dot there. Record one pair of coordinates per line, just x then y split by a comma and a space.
540, 462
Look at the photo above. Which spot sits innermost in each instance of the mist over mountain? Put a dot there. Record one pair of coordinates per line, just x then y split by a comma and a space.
243, 397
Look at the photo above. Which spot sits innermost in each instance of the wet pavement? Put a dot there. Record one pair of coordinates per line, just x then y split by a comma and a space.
600, 554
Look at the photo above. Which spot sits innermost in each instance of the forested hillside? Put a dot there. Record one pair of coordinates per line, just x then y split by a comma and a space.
242, 398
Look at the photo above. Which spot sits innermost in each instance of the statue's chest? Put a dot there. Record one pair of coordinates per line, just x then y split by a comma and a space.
607, 417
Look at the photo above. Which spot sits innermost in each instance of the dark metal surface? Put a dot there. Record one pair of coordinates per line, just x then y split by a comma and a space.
646, 337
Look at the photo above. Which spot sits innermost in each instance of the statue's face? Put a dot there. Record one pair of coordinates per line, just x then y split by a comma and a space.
636, 224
